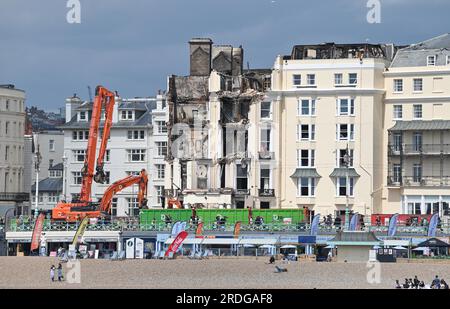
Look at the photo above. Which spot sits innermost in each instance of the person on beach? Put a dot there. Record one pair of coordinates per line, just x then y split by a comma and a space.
272, 259
60, 273
436, 283
52, 273
397, 285
444, 284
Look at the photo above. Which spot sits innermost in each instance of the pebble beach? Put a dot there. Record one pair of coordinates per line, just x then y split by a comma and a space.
33, 272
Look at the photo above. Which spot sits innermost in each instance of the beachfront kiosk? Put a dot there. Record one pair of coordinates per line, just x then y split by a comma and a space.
354, 246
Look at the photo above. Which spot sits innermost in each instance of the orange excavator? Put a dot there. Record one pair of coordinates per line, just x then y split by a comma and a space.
84, 206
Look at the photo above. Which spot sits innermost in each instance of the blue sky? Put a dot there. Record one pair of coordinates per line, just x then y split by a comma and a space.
132, 45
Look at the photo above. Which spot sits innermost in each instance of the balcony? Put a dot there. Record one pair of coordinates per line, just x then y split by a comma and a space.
424, 181
266, 155
266, 192
424, 149
242, 192
14, 197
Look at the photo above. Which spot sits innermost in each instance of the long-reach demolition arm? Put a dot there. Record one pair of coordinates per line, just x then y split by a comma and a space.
106, 98
141, 179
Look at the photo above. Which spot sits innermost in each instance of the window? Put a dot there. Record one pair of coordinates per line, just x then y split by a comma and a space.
398, 112
343, 132
264, 182
342, 157
397, 173
417, 111
306, 186
6, 153
51, 145
136, 135
342, 186
398, 85
136, 155
311, 79
346, 107
306, 132
107, 178
418, 84
108, 155
133, 173
80, 135
82, 116
7, 128
50, 162
7, 105
265, 110
126, 115
417, 173
160, 171
353, 78
297, 79
77, 178
307, 107
53, 198
241, 177
338, 79
438, 84
431, 60
133, 206
447, 60
265, 140
397, 141
161, 125
162, 148
160, 194
114, 206
55, 174
40, 198
417, 141
79, 155
306, 157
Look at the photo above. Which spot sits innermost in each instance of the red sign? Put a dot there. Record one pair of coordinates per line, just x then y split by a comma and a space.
177, 242
37, 231
403, 219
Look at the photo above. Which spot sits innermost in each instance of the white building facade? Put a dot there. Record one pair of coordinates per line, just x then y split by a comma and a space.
12, 125
137, 141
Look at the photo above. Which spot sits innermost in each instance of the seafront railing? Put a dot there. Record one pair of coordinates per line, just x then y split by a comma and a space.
15, 225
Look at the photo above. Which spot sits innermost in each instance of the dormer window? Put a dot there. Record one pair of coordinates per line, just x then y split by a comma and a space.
82, 116
126, 115
431, 60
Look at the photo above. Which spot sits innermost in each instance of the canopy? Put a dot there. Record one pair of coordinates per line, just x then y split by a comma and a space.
420, 249
258, 241
288, 247
376, 247
400, 248
434, 243
267, 247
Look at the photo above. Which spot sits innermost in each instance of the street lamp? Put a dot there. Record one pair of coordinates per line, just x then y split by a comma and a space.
347, 160
36, 166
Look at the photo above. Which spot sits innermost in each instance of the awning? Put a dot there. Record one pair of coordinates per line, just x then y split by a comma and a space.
258, 241
421, 125
306, 173
220, 241
395, 242
187, 241
342, 172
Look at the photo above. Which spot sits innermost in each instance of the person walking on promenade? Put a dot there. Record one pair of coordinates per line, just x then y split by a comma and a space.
444, 284
60, 273
272, 259
52, 273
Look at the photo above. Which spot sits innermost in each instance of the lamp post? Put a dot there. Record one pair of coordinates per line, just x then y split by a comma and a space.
64, 188
347, 160
36, 166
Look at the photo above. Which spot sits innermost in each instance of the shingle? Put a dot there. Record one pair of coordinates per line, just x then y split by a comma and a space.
305, 172
342, 172
421, 125
49, 185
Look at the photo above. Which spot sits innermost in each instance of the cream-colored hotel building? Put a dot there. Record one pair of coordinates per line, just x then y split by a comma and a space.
391, 110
